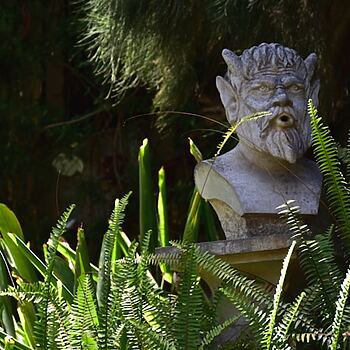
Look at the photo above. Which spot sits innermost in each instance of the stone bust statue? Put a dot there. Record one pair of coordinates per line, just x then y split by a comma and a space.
267, 167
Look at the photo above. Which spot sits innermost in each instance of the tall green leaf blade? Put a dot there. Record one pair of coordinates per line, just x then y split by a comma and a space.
9, 221
69, 254
26, 271
63, 273
5, 302
163, 224
33, 260
194, 150
82, 261
147, 211
192, 222
17, 344
26, 315
9, 224
207, 217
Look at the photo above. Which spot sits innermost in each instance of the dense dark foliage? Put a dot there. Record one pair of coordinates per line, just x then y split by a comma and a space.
54, 108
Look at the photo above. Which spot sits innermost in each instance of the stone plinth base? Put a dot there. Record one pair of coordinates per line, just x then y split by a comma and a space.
258, 257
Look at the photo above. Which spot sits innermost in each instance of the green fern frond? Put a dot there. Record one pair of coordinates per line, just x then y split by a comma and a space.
30, 292
348, 157
339, 312
226, 273
337, 188
189, 302
105, 270
83, 315
216, 331
52, 327
289, 316
56, 233
254, 314
151, 339
45, 323
170, 259
317, 257
268, 336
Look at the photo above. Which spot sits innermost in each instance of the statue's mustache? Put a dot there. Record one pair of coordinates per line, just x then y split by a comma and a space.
265, 123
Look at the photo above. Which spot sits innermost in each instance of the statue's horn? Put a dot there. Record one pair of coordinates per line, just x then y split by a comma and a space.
233, 62
310, 63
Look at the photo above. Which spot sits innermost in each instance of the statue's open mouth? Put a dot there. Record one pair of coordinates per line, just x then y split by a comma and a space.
283, 121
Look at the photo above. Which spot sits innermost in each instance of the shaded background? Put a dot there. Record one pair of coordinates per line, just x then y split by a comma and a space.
77, 76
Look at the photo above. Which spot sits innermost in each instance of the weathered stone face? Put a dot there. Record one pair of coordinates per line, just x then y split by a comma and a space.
266, 168
275, 79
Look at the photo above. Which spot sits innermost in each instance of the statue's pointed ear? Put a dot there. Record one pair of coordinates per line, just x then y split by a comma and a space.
314, 90
233, 62
228, 97
310, 64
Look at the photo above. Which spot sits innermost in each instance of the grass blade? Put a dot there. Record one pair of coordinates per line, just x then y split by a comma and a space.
82, 261
192, 222
147, 209
5, 302
163, 224
9, 221
30, 258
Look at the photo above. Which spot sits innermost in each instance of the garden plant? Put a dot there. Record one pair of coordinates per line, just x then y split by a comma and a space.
123, 304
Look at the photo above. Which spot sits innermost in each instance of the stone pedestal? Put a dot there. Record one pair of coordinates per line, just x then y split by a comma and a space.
259, 257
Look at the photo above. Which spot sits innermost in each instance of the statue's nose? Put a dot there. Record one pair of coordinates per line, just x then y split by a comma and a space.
281, 99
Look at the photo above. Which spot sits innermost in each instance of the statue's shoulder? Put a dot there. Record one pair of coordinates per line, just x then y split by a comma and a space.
216, 178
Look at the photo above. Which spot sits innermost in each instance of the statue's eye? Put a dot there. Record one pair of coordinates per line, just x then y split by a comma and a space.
263, 88
296, 87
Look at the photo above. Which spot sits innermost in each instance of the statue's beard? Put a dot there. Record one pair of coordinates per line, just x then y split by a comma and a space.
286, 144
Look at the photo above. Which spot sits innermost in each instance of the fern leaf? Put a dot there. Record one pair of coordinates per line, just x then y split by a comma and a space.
151, 339
226, 273
316, 257
189, 303
336, 186
255, 315
339, 311
45, 320
269, 333
216, 331
83, 316
105, 270
289, 317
